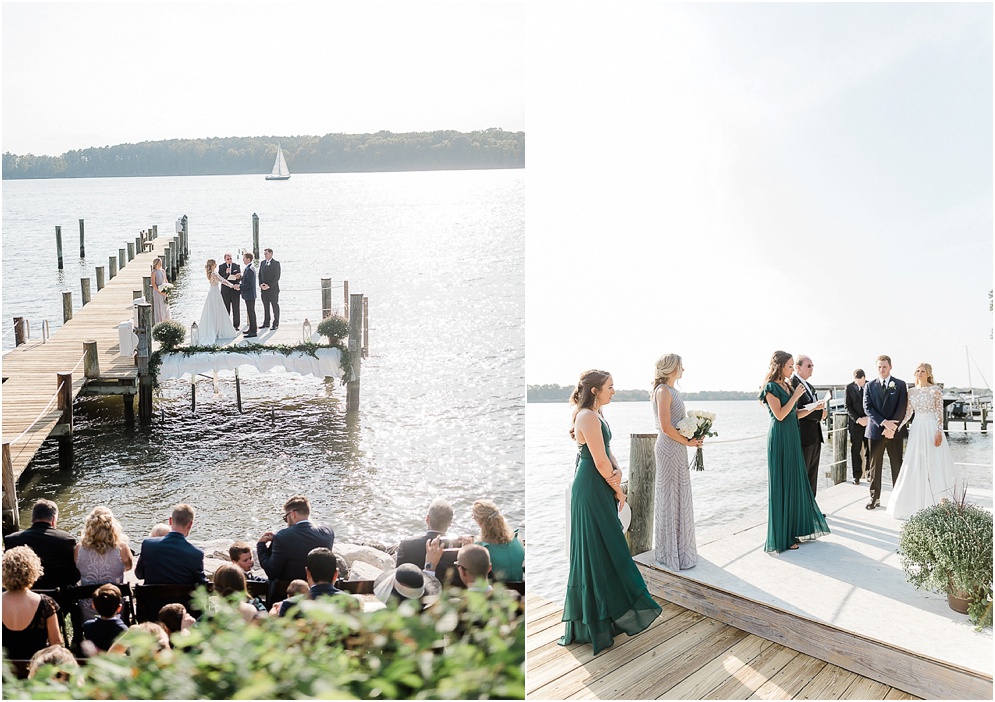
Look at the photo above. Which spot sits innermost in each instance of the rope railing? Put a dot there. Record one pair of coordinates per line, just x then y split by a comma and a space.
9, 330
77, 363
333, 287
975, 465
43, 412
732, 441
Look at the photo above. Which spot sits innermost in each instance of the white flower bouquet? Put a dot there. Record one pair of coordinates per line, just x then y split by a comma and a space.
695, 425
168, 289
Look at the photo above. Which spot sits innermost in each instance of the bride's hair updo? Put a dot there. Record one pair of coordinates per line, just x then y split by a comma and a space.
583, 395
210, 266
929, 372
666, 366
777, 361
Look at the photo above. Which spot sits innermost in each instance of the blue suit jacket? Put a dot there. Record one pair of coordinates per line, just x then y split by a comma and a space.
882, 403
170, 559
285, 556
247, 284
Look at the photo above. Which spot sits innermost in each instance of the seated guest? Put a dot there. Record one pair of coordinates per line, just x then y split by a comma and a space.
283, 555
159, 529
439, 518
125, 641
107, 625
241, 555
174, 618
53, 546
322, 571
60, 657
171, 559
407, 582
474, 563
229, 582
29, 619
506, 551
102, 554
296, 591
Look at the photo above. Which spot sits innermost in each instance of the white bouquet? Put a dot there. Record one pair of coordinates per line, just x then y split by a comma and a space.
168, 290
696, 425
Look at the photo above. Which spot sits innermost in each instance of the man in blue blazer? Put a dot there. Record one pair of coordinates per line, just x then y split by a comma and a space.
283, 555
247, 289
171, 559
885, 400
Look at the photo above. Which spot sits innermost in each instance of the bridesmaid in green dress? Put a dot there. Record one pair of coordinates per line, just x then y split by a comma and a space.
606, 595
792, 512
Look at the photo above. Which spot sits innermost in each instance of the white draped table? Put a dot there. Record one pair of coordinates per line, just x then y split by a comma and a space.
327, 364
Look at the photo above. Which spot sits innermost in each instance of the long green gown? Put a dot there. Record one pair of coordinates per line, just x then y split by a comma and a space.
606, 595
792, 511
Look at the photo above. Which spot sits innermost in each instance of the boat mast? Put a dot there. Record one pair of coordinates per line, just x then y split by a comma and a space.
969, 383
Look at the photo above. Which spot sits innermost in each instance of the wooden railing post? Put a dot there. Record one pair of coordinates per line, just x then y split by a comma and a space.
326, 298
840, 436
58, 245
91, 362
67, 305
20, 327
131, 251
366, 327
84, 284
642, 487
345, 299
147, 288
144, 352
64, 383
100, 278
111, 267
355, 352
122, 259
11, 516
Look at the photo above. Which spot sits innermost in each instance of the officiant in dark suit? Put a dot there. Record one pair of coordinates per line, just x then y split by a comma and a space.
885, 400
809, 421
857, 425
231, 271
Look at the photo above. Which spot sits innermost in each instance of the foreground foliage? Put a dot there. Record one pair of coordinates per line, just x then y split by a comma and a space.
469, 648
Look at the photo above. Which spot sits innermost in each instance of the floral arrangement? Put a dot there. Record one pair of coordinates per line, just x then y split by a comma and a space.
169, 334
169, 290
695, 425
334, 327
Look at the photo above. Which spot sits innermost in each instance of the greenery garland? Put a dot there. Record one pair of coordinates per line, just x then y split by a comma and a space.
307, 347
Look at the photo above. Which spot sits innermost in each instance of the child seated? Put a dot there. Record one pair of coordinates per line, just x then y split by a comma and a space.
296, 591
101, 631
175, 617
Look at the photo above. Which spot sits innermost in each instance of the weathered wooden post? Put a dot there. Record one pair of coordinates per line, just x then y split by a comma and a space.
345, 300
84, 284
186, 235
67, 306
147, 288
82, 246
11, 516
166, 256
91, 362
366, 327
155, 229
58, 245
131, 251
255, 235
111, 267
20, 327
100, 278
326, 298
139, 245
355, 352
122, 256
144, 352
178, 253
193, 393
238, 392
840, 436
642, 486
64, 383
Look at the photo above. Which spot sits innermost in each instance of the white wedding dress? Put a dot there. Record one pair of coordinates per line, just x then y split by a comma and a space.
928, 471
215, 325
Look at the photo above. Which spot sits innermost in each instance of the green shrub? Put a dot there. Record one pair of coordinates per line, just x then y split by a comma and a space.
469, 649
334, 327
169, 334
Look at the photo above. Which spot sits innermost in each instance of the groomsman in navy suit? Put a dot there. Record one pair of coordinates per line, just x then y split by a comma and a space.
857, 425
885, 400
247, 287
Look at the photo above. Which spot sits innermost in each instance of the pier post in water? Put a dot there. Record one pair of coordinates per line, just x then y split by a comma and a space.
11, 515
67, 306
111, 267
345, 299
144, 352
642, 488
122, 256
165, 261
255, 235
131, 251
64, 433
58, 245
355, 352
326, 298
20, 329
100, 278
84, 284
840, 436
186, 236
82, 246
91, 362
139, 245
366, 327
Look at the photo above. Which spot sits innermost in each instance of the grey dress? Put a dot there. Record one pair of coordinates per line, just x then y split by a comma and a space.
160, 307
674, 525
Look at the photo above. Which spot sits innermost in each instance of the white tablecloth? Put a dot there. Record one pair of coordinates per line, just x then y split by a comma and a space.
176, 365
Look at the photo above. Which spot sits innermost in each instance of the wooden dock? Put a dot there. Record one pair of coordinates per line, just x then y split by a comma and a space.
682, 655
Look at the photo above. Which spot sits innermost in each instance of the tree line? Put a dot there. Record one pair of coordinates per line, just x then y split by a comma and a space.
331, 153
561, 393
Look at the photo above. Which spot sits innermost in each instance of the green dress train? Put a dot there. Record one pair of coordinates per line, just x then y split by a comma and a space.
606, 595
792, 511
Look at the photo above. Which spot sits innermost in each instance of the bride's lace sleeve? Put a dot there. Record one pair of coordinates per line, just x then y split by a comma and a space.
909, 407
937, 397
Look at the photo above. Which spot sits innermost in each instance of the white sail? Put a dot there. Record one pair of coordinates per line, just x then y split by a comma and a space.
280, 170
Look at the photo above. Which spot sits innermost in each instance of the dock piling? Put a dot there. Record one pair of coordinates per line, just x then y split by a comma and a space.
91, 362
100, 278
131, 251
840, 435
64, 383
67, 306
166, 262
355, 352
345, 299
326, 298
147, 288
186, 235
111, 267
58, 245
20, 330
238, 392
84, 284
255, 235
122, 255
11, 516
82, 246
144, 352
642, 488
366, 327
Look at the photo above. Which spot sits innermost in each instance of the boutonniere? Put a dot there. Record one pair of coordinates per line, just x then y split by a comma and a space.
891, 385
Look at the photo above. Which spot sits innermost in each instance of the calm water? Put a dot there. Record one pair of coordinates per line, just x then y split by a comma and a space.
440, 256
733, 484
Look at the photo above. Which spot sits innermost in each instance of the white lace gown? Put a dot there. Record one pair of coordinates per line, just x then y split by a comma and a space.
215, 325
928, 471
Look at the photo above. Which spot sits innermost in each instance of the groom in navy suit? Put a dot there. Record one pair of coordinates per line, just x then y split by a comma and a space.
247, 287
885, 400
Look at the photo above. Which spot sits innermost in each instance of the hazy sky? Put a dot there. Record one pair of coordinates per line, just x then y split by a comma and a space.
95, 74
720, 181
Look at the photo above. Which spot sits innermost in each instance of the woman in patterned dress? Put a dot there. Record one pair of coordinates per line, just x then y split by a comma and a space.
102, 554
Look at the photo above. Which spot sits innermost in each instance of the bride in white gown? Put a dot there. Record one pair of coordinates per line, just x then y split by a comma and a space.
928, 472
215, 324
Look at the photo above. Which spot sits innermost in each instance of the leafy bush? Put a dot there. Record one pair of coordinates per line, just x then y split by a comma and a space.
472, 648
334, 327
950, 544
169, 334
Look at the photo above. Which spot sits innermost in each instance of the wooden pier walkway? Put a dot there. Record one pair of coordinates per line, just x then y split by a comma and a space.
30, 370
682, 655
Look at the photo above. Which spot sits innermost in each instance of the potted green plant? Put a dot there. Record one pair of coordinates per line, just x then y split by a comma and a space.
169, 334
334, 327
947, 548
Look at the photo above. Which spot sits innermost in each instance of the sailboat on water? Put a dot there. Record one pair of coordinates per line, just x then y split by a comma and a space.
280, 170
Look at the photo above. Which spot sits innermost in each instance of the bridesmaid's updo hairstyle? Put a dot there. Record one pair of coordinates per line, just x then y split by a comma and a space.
929, 372
210, 266
666, 366
583, 395
157, 263
777, 361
